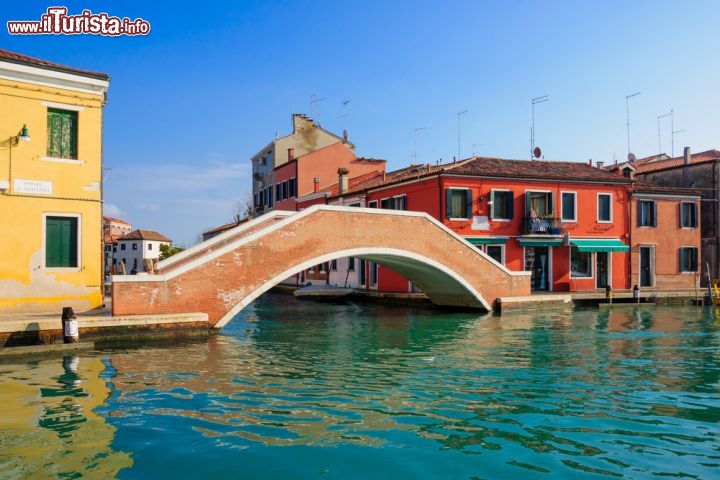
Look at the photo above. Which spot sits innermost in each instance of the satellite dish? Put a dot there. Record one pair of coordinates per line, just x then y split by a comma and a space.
537, 152
631, 157
345, 135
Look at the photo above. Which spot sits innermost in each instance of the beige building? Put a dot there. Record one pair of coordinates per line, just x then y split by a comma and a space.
307, 136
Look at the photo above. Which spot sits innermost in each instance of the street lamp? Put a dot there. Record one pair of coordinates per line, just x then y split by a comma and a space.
13, 141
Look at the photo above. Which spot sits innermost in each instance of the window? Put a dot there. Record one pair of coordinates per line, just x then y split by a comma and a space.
373, 273
134, 246
291, 187
122, 246
285, 189
688, 259
502, 205
496, 253
135, 263
149, 246
333, 265
580, 263
356, 204
114, 249
400, 202
351, 264
255, 200
278, 191
604, 210
458, 203
688, 214
269, 196
569, 200
646, 213
387, 203
62, 133
372, 204
61, 242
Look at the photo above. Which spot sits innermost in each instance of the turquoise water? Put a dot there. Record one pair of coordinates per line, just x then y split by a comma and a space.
300, 390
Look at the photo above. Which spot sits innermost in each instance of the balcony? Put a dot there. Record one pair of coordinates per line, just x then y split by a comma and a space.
543, 226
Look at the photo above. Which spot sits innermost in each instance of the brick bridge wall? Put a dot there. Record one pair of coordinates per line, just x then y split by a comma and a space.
224, 279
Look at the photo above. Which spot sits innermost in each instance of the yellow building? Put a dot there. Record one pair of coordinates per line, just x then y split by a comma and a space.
50, 185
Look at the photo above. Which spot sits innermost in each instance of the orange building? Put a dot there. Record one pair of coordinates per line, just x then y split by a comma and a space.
665, 237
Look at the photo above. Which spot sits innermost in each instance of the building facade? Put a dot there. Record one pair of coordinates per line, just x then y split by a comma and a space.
113, 228
307, 136
136, 249
50, 185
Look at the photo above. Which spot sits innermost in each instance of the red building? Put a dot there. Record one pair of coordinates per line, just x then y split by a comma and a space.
567, 223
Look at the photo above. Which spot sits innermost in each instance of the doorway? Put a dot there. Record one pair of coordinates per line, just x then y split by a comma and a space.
537, 262
647, 269
602, 269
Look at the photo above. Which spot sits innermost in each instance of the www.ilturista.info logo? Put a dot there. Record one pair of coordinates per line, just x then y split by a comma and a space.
57, 22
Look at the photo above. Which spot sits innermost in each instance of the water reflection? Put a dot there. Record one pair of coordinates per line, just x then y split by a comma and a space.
295, 390
598, 392
48, 424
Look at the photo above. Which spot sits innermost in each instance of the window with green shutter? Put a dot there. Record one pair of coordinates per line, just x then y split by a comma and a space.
61, 242
62, 133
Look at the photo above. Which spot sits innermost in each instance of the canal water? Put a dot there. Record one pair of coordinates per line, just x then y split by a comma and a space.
303, 390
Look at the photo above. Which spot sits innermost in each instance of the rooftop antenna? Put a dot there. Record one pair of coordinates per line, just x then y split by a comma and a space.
659, 135
414, 155
535, 101
627, 112
475, 145
344, 114
673, 138
458, 118
313, 100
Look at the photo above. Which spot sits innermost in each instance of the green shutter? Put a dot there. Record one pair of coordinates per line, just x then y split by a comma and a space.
510, 205
448, 203
62, 133
682, 259
694, 259
468, 204
61, 242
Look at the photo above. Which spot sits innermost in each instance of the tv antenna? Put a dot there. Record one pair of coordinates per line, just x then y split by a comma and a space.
669, 114
458, 118
344, 114
672, 134
414, 155
535, 101
475, 145
627, 111
313, 100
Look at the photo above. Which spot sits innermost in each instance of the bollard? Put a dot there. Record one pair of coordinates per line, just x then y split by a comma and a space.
636, 293
71, 333
608, 293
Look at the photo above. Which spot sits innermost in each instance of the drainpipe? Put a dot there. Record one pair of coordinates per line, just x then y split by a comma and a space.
440, 199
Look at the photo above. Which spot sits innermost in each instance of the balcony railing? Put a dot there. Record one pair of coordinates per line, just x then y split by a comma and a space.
543, 226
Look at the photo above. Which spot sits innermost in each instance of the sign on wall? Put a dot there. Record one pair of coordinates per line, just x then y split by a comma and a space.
33, 187
480, 223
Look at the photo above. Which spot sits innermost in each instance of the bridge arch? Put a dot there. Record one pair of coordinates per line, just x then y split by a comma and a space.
221, 276
441, 284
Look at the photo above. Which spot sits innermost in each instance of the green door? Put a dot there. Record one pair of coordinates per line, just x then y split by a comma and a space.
61, 242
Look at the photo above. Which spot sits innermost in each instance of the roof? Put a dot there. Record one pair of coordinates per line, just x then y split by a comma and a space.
114, 220
663, 162
496, 167
21, 59
145, 235
644, 187
110, 239
534, 169
224, 227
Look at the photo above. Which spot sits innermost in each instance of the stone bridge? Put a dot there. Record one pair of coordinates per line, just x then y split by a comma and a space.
224, 274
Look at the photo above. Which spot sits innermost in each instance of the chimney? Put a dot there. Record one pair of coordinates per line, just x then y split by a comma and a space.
600, 164
590, 161
686, 155
342, 180
291, 154
316, 184
300, 122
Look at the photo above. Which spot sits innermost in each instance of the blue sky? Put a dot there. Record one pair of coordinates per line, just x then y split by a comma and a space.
193, 101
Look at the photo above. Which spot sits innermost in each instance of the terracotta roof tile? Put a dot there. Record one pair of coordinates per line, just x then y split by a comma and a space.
540, 169
644, 187
114, 220
662, 162
19, 58
224, 227
145, 235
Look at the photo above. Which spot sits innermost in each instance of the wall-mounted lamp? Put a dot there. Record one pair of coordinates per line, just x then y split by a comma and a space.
24, 135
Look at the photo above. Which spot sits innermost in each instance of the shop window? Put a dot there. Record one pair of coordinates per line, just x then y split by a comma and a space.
496, 253
580, 263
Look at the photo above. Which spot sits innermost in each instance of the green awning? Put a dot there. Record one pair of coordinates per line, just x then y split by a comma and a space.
487, 240
599, 245
541, 242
